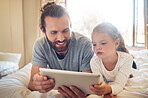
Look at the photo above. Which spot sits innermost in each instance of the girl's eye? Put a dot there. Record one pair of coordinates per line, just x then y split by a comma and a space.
94, 44
103, 43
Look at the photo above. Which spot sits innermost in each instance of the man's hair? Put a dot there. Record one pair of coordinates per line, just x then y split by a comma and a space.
52, 10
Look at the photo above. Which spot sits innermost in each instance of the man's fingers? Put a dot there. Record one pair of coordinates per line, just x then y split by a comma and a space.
44, 87
60, 90
50, 82
38, 77
46, 90
69, 91
77, 92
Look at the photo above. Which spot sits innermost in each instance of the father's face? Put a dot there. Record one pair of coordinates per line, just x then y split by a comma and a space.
58, 32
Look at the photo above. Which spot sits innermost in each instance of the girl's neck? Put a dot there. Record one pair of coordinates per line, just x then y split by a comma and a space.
110, 62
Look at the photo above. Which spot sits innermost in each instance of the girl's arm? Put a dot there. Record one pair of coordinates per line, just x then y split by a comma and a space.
125, 69
121, 78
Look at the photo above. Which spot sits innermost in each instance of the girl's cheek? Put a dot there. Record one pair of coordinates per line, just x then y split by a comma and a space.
95, 50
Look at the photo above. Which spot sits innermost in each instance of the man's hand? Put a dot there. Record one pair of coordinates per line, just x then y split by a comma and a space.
42, 83
71, 92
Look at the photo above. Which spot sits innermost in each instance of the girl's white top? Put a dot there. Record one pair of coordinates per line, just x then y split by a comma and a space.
118, 77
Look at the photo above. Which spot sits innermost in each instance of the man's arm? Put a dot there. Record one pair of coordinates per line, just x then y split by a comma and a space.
38, 82
34, 70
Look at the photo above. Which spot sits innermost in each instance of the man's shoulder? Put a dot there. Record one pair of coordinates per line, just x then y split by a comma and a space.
41, 39
41, 42
80, 38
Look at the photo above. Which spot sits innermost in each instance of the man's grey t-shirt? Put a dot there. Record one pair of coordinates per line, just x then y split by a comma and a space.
77, 58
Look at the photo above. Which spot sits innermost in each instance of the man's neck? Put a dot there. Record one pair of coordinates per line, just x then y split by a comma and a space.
61, 55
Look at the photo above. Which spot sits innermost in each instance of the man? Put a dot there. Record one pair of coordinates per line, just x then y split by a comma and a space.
59, 49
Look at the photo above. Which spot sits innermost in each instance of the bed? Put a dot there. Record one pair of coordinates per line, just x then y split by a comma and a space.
15, 85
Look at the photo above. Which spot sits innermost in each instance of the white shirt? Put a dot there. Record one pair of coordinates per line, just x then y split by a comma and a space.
118, 77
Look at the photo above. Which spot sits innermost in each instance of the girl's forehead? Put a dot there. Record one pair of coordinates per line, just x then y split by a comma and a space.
99, 36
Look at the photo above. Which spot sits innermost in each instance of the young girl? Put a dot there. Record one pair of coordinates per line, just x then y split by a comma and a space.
112, 60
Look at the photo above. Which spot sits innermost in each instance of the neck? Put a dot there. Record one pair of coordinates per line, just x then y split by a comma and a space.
61, 55
110, 63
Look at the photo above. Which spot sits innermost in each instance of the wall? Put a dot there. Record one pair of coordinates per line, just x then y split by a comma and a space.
11, 27
146, 4
19, 24
31, 10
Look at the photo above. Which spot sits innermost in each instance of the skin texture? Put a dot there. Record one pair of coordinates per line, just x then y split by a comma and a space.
105, 48
58, 34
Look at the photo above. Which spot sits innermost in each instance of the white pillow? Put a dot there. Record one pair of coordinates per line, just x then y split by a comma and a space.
9, 63
11, 57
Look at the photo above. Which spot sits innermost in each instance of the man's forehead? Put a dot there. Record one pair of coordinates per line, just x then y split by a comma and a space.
53, 22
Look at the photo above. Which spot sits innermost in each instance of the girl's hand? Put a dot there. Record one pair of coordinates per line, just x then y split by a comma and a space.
100, 89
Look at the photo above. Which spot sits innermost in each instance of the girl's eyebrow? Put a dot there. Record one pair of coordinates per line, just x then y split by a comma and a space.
102, 40
99, 41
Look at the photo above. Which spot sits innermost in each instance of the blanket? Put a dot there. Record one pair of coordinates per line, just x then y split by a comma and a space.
15, 85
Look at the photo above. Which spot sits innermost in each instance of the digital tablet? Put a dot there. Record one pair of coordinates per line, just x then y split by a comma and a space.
81, 80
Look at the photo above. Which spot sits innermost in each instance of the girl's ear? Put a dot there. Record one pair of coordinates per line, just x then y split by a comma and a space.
117, 43
42, 30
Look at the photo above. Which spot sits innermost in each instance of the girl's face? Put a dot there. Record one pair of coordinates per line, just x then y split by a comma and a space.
104, 46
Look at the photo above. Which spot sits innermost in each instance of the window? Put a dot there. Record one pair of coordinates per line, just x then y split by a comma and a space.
139, 23
85, 14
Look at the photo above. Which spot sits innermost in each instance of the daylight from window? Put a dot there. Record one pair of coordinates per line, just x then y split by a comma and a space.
85, 14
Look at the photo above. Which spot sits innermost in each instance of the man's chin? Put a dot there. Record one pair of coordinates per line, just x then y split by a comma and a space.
60, 50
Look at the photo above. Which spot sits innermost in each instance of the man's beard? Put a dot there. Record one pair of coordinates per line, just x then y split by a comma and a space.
60, 49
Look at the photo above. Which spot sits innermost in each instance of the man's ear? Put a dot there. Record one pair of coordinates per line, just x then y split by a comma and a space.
42, 30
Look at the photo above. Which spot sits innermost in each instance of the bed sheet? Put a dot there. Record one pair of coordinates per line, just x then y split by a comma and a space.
15, 85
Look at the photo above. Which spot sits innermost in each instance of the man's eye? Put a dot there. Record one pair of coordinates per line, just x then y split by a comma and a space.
94, 44
54, 32
66, 30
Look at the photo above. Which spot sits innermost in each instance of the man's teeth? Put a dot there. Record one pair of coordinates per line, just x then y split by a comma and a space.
60, 43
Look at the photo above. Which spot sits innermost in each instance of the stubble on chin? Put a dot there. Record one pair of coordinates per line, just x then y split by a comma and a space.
59, 49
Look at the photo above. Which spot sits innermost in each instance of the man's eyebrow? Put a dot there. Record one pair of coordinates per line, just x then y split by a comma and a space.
54, 31
66, 29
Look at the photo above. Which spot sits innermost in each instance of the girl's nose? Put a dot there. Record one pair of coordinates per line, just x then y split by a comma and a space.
99, 48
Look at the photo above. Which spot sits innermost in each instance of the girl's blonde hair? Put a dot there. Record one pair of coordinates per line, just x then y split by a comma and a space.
112, 31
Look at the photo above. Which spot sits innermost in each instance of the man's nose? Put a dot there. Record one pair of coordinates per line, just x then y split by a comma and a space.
60, 36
